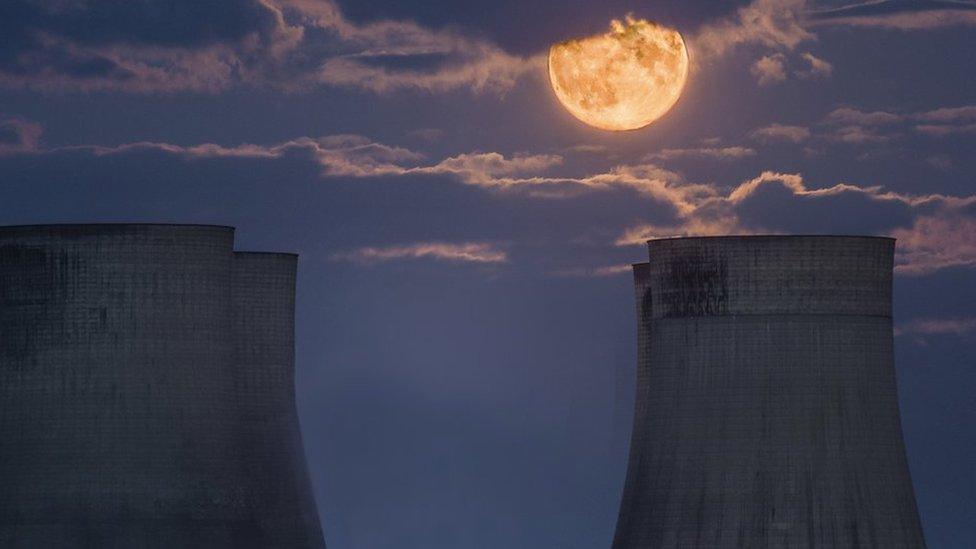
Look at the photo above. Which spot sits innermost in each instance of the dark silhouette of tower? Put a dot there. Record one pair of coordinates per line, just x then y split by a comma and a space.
766, 412
146, 391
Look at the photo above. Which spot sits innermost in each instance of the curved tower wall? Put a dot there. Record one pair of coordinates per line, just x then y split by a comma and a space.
120, 408
264, 331
766, 412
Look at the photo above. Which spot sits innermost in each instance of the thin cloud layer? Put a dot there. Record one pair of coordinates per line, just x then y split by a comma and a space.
937, 326
781, 132
900, 14
852, 126
818, 68
715, 153
594, 272
465, 252
18, 135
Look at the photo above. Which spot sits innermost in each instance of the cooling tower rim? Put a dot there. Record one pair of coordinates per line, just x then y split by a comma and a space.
250, 252
109, 224
771, 236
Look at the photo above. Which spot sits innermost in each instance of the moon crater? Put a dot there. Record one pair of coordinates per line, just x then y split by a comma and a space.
622, 80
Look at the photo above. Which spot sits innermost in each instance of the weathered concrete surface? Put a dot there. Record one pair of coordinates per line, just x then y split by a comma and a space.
766, 412
123, 421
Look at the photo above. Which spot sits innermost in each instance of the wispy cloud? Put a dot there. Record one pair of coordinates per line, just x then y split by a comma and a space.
781, 132
937, 326
818, 68
776, 67
852, 126
848, 116
593, 272
691, 226
19, 135
465, 252
715, 153
859, 135
899, 14
947, 121
587, 148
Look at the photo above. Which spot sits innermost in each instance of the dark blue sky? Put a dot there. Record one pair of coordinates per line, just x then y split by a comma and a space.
465, 323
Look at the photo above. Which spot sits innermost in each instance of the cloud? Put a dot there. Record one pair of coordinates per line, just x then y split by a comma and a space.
773, 24
936, 242
774, 27
490, 169
18, 135
852, 126
778, 27
937, 326
427, 134
942, 162
953, 115
157, 46
140, 46
858, 135
947, 121
773, 68
899, 14
466, 252
723, 153
934, 123
848, 116
585, 148
769, 69
819, 68
593, 272
691, 226
780, 132
796, 184
944, 130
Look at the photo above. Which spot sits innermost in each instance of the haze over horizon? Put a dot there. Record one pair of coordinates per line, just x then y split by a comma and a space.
466, 333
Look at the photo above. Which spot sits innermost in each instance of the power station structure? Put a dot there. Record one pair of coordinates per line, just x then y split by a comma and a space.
766, 412
147, 391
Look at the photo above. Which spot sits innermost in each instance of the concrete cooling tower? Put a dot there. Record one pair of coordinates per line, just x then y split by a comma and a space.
146, 391
766, 413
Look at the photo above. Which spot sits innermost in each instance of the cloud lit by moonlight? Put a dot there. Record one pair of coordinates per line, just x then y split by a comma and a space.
622, 80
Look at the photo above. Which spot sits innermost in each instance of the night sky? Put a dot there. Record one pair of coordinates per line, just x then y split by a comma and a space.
466, 325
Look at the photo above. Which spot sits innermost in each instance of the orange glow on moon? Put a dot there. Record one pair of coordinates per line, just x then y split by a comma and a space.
622, 80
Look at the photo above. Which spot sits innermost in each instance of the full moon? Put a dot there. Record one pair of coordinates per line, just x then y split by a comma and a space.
622, 80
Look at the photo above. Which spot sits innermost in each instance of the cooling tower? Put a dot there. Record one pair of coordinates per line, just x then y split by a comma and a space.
146, 394
766, 411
